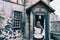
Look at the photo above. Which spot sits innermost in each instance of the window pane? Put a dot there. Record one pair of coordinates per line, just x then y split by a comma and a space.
17, 19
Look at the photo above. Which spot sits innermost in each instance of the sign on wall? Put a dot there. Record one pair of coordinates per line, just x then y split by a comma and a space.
39, 8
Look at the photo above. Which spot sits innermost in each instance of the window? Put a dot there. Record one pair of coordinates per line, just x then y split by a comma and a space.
17, 19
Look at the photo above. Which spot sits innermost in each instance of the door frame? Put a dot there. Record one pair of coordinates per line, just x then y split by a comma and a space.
34, 14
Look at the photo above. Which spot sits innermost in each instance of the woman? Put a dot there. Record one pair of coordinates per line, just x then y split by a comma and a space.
38, 31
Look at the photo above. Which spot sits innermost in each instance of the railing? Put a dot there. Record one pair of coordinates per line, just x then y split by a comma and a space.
55, 36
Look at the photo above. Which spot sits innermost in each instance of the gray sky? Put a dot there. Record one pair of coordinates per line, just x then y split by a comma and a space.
55, 4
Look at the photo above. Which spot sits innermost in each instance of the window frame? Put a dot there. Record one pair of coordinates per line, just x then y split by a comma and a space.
20, 20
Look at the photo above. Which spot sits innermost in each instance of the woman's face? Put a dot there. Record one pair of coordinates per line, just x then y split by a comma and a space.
38, 23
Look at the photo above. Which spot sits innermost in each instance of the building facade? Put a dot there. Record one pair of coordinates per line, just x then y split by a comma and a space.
53, 17
54, 23
19, 18
11, 16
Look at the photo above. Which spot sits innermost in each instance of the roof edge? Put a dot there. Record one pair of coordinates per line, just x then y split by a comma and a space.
50, 8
